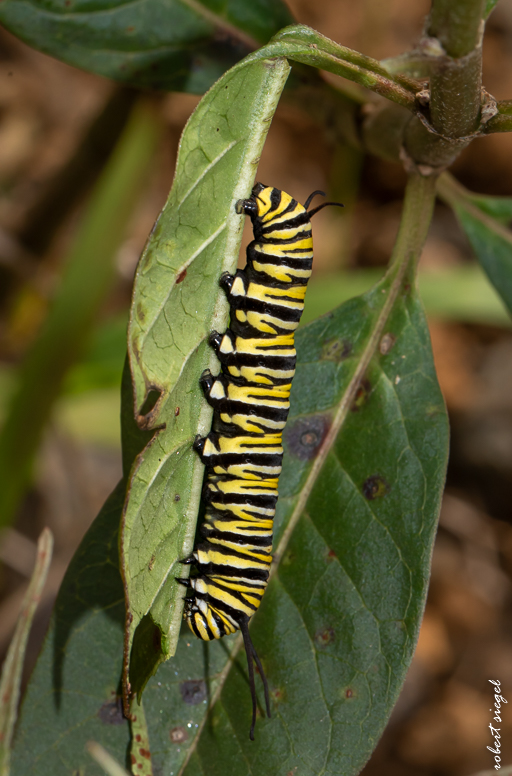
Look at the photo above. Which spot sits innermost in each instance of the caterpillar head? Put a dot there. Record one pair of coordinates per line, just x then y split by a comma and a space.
263, 198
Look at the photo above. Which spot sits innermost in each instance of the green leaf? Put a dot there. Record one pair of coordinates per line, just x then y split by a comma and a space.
338, 623
366, 449
177, 302
340, 618
74, 692
490, 5
483, 220
180, 45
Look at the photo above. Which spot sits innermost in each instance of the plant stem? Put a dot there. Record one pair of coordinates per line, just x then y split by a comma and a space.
456, 79
10, 681
505, 107
86, 280
456, 25
417, 213
302, 44
499, 124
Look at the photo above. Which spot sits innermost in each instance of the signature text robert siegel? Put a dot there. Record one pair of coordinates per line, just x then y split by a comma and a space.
495, 732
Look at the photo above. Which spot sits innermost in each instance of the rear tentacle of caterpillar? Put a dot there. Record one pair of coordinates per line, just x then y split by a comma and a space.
250, 397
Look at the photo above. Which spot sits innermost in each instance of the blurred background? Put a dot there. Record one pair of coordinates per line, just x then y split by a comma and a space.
60, 131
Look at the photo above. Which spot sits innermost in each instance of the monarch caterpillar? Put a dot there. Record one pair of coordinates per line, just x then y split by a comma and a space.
250, 397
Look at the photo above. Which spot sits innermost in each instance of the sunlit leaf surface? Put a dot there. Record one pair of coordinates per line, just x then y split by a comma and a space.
177, 302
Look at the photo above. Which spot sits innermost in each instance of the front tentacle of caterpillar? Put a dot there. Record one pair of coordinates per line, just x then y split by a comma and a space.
250, 397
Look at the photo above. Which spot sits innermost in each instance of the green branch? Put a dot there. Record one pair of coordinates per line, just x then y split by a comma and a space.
502, 121
302, 44
456, 79
86, 280
456, 25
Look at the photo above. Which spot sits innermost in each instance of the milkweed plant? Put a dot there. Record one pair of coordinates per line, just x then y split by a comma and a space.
366, 440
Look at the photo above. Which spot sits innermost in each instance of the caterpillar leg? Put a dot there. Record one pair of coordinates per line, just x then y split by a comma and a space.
198, 445
214, 387
206, 381
223, 344
191, 559
207, 446
226, 281
235, 286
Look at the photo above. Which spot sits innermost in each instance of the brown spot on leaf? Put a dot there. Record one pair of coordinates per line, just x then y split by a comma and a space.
375, 487
362, 395
111, 713
331, 555
288, 558
181, 277
348, 693
277, 695
324, 637
151, 563
176, 412
178, 735
177, 497
336, 349
193, 692
145, 753
305, 436
386, 343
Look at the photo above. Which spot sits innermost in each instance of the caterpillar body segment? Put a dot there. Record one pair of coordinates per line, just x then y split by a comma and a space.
243, 452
